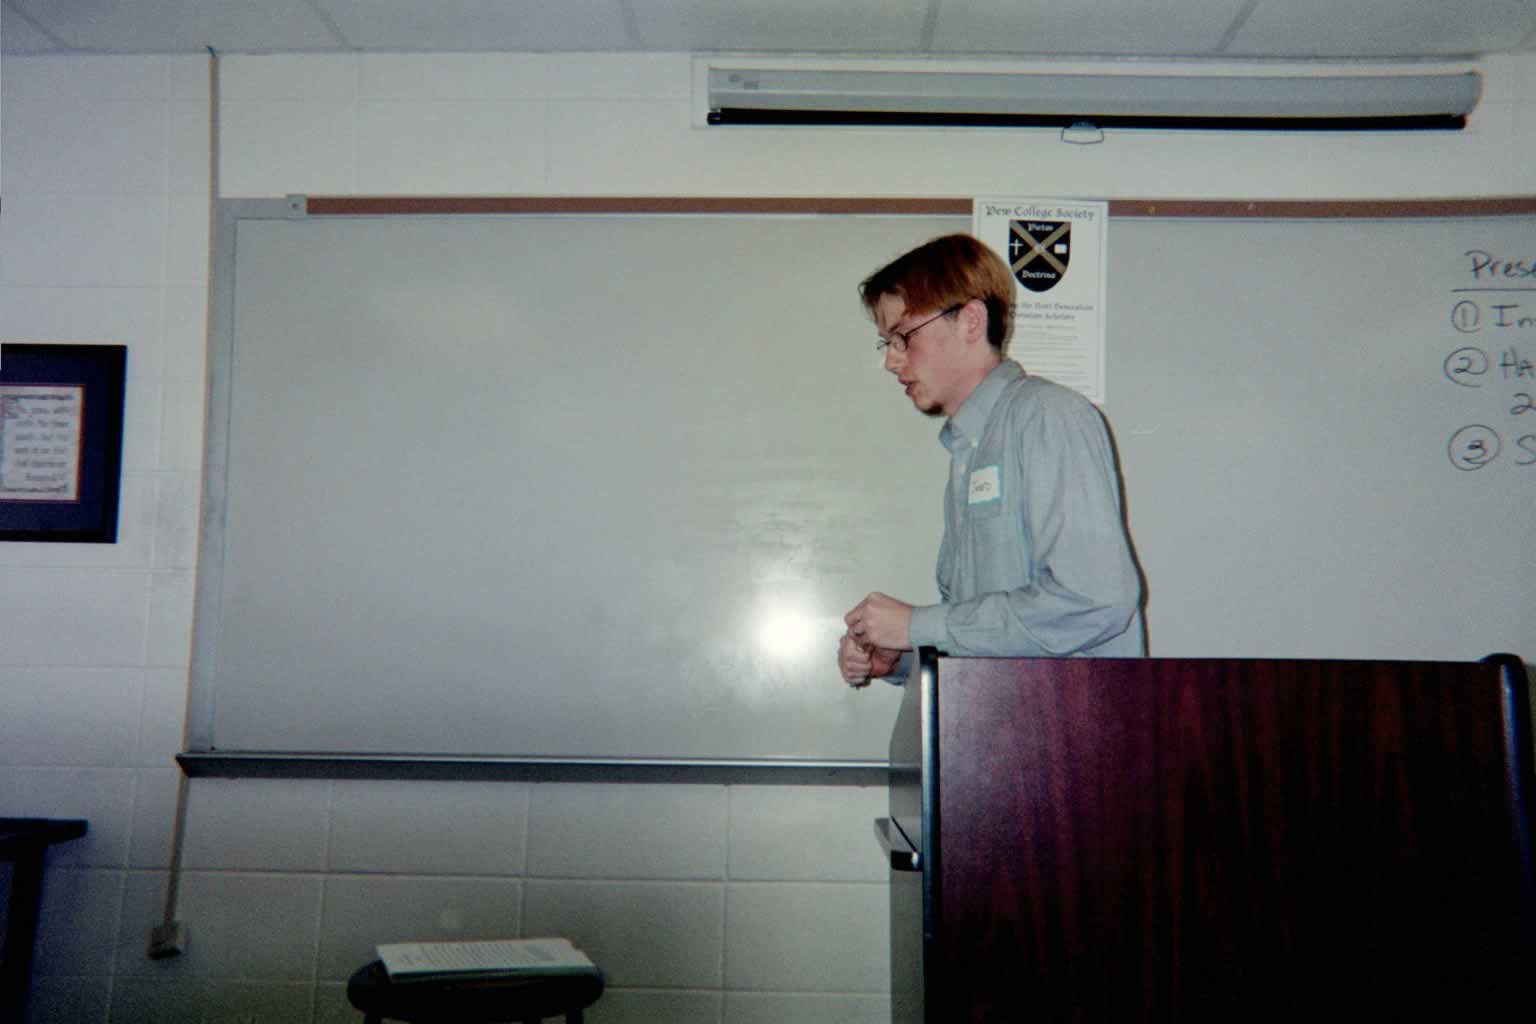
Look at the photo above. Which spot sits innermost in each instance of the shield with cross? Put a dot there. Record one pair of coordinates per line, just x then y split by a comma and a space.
1038, 252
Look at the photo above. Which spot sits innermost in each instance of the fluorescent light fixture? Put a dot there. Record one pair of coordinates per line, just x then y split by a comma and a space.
1224, 101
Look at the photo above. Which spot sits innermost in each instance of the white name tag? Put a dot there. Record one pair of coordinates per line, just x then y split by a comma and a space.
986, 485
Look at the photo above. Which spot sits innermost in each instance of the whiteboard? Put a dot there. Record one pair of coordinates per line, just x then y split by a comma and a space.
1295, 439
572, 487
602, 486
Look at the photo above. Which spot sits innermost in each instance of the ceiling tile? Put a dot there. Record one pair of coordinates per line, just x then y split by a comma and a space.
806, 26
1402, 28
1296, 29
511, 25
18, 36
1105, 27
169, 26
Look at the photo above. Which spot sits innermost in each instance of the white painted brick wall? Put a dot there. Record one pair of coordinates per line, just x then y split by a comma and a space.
707, 905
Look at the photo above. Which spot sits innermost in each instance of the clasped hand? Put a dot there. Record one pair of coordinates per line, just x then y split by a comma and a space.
877, 634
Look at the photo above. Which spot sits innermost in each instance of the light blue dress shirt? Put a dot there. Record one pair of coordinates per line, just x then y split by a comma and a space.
1035, 561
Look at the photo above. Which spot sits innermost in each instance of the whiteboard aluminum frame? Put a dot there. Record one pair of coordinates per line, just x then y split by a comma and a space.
200, 758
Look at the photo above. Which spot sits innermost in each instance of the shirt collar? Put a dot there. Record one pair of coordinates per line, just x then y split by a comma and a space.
968, 421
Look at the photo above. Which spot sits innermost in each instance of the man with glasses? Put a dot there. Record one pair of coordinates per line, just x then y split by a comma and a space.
1035, 559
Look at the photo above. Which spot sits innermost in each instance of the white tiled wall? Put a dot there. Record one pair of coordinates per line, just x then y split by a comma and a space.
706, 904
292, 884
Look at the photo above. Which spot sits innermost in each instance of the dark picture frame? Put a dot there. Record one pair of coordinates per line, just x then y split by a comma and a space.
61, 442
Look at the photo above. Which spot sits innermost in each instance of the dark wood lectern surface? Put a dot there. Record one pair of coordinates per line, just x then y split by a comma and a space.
1171, 840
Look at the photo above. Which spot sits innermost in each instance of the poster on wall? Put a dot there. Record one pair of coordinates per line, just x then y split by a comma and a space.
40, 441
61, 439
1056, 251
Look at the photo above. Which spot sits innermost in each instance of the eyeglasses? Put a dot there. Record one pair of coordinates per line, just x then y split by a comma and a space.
899, 340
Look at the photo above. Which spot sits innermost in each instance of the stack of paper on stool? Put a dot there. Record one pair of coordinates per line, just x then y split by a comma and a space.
435, 960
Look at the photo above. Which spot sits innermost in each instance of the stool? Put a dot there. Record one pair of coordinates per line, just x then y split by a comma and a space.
24, 841
498, 999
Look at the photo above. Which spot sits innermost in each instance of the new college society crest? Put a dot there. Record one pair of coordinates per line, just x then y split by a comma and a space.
1039, 251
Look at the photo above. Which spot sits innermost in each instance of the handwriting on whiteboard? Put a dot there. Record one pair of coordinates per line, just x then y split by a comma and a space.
1511, 376
1496, 363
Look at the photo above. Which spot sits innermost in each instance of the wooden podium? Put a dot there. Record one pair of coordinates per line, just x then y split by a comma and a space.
1213, 840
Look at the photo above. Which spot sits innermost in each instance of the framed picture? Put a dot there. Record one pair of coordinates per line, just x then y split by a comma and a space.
61, 442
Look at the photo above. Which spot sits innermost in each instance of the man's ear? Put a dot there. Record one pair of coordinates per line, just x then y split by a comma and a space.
974, 316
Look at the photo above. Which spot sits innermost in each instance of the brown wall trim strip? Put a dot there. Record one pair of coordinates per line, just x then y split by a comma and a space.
1303, 209
331, 206
1259, 209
